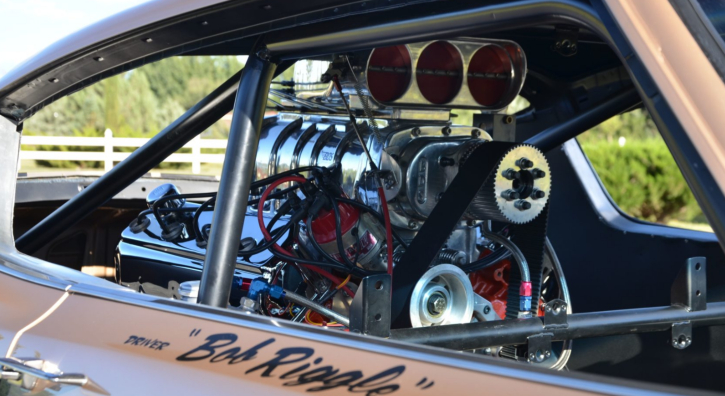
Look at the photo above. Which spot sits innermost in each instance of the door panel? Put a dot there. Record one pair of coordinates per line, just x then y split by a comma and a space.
132, 349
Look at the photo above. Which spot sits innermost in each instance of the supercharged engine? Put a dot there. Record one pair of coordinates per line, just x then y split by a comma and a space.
389, 216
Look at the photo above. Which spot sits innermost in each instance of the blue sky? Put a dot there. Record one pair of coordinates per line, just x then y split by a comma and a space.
28, 26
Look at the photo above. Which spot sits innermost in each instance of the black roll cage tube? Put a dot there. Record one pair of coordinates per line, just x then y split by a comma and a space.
244, 136
469, 336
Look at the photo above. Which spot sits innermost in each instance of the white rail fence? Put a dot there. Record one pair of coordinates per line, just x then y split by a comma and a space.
108, 156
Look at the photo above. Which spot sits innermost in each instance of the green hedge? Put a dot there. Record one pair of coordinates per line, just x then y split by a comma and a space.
644, 180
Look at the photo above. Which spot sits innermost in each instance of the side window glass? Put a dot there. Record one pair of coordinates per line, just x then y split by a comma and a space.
639, 173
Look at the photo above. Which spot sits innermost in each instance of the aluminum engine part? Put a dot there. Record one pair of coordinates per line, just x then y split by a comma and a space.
463, 239
481, 74
483, 310
420, 160
442, 296
520, 190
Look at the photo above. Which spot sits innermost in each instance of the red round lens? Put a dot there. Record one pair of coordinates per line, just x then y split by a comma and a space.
388, 73
489, 75
439, 72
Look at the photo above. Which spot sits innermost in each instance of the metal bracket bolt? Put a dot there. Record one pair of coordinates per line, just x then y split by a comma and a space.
555, 314
681, 335
539, 348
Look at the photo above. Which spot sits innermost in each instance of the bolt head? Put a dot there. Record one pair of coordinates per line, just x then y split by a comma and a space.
437, 304
510, 195
548, 353
416, 131
510, 174
522, 205
248, 304
412, 225
524, 163
446, 131
476, 133
486, 310
538, 194
538, 173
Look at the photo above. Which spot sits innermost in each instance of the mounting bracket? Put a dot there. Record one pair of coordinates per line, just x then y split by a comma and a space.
539, 348
690, 287
370, 309
555, 314
690, 292
567, 38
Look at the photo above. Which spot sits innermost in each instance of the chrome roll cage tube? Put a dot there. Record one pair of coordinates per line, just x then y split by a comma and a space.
236, 179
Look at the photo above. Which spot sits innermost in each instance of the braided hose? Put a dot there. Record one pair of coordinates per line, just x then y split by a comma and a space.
368, 110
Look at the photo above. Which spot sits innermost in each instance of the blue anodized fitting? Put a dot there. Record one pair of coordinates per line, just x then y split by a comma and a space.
525, 303
260, 285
